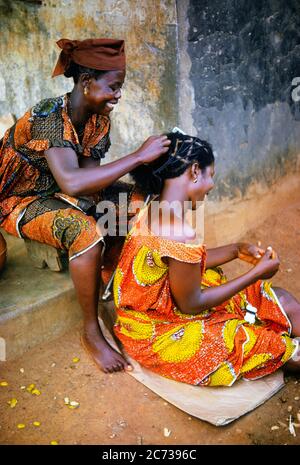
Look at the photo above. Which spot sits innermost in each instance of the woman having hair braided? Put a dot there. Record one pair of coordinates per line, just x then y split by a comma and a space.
177, 313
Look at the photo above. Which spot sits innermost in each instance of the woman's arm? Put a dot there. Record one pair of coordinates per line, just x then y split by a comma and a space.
220, 255
88, 162
192, 300
74, 180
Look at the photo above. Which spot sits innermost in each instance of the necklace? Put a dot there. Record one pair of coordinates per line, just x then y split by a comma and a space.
79, 127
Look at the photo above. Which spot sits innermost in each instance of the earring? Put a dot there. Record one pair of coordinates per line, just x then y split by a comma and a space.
195, 180
85, 91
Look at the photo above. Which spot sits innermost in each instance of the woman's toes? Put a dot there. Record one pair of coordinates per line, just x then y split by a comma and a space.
128, 368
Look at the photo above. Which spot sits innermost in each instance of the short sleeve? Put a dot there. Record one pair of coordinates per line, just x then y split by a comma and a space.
43, 127
183, 252
50, 126
20, 133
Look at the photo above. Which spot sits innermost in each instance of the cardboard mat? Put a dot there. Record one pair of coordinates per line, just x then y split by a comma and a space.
216, 405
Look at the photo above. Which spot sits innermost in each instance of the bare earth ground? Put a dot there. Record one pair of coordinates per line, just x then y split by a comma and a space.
117, 409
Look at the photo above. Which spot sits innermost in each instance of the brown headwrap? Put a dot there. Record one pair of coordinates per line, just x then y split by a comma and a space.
100, 54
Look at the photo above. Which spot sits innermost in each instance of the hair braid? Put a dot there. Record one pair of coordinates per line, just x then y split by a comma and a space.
183, 152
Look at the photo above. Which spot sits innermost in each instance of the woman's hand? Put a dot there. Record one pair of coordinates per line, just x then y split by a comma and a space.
250, 253
268, 265
152, 148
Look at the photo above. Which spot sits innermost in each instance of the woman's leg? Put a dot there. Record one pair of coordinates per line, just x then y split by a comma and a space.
86, 277
53, 222
291, 307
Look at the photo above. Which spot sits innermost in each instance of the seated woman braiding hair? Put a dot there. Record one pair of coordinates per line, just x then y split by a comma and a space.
177, 314
50, 176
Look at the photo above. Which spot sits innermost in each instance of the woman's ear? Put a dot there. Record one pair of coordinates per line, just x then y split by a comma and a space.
85, 79
195, 171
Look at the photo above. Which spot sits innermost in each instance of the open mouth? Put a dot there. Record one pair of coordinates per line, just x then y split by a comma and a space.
111, 105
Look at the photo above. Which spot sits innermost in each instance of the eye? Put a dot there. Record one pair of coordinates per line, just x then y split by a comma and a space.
115, 87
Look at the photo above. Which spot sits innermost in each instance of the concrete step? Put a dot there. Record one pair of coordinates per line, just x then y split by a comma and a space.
36, 305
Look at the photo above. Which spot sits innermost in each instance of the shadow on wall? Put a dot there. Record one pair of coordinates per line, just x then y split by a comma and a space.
244, 66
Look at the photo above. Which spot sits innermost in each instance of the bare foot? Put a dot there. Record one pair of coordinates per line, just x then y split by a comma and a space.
103, 355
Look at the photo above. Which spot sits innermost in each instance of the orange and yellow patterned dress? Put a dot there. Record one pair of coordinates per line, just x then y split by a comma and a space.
31, 203
214, 348
24, 172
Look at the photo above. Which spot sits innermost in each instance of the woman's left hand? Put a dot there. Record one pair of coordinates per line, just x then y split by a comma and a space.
249, 252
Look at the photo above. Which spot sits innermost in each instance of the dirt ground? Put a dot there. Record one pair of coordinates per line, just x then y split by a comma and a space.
117, 409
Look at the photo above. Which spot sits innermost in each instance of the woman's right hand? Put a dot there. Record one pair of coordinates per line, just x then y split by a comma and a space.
268, 265
152, 148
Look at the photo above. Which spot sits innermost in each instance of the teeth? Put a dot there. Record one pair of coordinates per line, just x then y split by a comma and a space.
110, 105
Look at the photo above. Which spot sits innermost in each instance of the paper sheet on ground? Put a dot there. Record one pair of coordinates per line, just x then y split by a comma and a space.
216, 405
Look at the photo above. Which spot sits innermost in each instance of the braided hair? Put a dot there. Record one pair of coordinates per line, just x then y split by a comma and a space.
184, 150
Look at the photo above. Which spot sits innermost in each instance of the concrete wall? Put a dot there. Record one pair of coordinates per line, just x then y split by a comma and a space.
237, 63
28, 53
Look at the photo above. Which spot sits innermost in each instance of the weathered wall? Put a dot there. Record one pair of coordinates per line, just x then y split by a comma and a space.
237, 63
28, 53
220, 69
244, 56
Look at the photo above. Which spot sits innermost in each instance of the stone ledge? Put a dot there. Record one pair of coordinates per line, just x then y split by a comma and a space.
35, 305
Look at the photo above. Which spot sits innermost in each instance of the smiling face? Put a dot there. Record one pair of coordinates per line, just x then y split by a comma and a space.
103, 93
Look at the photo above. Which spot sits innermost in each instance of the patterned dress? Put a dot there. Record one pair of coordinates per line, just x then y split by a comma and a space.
214, 348
31, 204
